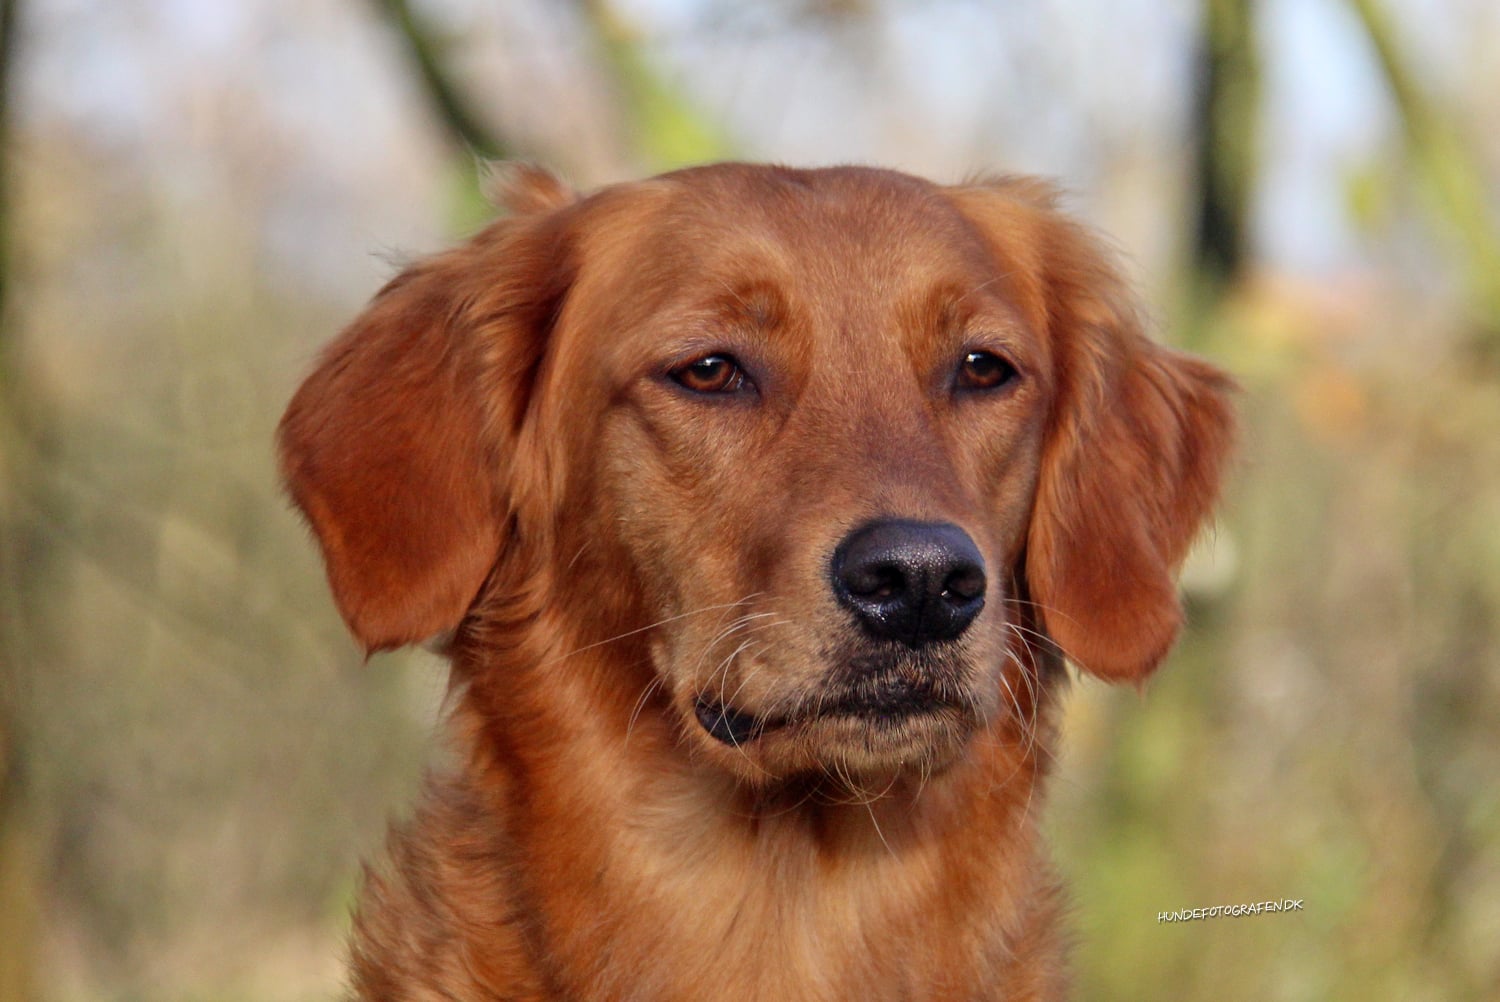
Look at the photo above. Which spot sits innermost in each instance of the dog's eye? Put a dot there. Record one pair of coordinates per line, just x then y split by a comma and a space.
710, 374
983, 370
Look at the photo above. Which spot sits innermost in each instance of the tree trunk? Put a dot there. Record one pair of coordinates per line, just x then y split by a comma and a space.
1226, 120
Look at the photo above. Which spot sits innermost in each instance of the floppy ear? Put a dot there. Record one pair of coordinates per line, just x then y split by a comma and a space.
1136, 440
399, 446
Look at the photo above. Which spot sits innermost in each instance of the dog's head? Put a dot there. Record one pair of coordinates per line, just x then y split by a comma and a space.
837, 445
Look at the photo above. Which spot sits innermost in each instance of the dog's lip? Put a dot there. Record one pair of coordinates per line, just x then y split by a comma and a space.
731, 726
889, 701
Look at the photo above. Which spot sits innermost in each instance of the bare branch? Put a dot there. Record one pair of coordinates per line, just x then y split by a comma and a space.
453, 106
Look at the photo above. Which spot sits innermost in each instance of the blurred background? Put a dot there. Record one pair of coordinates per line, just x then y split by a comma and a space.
195, 194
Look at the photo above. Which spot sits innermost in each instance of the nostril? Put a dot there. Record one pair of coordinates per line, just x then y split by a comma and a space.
878, 581
965, 584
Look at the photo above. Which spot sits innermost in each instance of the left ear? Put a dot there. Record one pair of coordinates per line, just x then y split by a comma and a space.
401, 448
1137, 437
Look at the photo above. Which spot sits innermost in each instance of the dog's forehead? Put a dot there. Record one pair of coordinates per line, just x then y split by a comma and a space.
834, 224
833, 240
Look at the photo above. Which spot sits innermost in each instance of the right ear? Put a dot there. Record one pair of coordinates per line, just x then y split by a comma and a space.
399, 446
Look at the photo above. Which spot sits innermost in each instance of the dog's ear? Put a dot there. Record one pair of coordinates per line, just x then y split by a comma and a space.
399, 447
1136, 441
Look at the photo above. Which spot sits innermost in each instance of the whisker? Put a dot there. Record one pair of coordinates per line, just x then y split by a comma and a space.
721, 632
576, 557
874, 823
722, 671
1045, 640
640, 704
740, 626
649, 626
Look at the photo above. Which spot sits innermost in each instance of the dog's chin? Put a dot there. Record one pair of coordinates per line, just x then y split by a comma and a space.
854, 739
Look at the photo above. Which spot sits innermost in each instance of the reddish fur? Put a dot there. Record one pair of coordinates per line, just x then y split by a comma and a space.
491, 450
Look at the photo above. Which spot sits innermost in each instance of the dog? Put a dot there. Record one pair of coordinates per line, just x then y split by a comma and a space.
758, 511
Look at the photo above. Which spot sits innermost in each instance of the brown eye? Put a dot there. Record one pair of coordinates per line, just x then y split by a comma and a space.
983, 370
710, 374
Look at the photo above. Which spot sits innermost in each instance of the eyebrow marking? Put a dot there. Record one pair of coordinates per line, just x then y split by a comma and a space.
757, 302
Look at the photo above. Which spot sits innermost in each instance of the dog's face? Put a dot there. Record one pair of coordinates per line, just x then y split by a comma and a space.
839, 444
818, 456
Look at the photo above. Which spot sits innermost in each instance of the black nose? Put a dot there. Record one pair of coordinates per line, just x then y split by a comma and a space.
915, 582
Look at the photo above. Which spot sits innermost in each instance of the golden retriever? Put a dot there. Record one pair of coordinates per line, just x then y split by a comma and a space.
757, 510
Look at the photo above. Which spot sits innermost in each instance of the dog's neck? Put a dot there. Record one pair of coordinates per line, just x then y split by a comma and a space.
706, 880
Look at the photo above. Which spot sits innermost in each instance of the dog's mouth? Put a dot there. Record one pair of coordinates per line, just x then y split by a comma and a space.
886, 702
730, 726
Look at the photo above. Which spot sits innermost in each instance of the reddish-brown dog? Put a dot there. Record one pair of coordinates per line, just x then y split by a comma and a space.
758, 508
